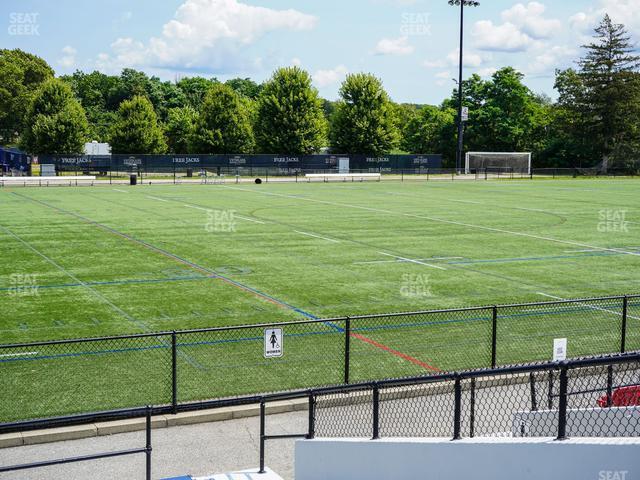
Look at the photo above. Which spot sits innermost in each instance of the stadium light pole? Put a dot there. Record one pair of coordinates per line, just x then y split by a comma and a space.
461, 4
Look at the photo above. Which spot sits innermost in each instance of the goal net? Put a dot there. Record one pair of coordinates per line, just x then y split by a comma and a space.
498, 162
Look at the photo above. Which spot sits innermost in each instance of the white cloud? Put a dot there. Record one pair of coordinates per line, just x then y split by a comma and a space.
529, 18
443, 77
523, 28
207, 34
68, 58
296, 62
502, 38
626, 12
548, 59
434, 63
324, 78
469, 59
394, 46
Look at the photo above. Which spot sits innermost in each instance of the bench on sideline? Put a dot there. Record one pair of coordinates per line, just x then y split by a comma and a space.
344, 176
45, 180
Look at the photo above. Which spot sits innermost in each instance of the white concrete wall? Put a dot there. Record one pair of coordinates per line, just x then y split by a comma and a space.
477, 459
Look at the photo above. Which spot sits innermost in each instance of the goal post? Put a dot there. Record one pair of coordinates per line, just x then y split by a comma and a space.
498, 162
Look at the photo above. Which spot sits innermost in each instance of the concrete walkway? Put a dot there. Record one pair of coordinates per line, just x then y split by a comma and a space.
197, 450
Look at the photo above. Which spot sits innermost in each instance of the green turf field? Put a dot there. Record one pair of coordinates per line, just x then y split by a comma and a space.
94, 261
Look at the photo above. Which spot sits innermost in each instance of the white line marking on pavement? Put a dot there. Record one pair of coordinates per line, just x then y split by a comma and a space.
412, 261
317, 236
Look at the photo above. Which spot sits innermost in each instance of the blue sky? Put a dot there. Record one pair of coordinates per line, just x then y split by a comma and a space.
410, 44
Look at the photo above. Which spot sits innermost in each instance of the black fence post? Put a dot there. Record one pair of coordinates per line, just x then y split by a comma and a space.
472, 406
623, 335
534, 400
347, 349
148, 447
562, 408
457, 409
174, 372
262, 435
550, 391
312, 416
494, 335
376, 412
609, 385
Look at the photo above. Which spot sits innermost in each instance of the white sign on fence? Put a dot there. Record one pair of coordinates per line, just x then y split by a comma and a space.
559, 349
273, 343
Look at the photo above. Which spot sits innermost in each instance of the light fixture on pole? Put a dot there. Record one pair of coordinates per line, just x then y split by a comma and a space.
461, 4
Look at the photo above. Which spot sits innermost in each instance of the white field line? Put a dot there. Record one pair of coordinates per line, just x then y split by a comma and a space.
404, 261
589, 306
450, 222
198, 208
412, 261
465, 201
317, 236
121, 191
156, 198
19, 354
581, 251
249, 219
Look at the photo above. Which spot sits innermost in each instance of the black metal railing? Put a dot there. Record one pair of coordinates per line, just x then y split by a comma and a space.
46, 379
146, 450
589, 397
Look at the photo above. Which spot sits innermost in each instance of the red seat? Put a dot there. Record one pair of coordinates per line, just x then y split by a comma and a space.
622, 397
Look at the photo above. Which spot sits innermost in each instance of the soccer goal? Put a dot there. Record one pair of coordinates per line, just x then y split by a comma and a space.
498, 162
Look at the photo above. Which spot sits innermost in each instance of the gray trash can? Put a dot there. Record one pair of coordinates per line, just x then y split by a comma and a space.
133, 179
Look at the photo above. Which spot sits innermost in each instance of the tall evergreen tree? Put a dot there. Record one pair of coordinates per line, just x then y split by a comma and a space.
290, 118
612, 91
55, 121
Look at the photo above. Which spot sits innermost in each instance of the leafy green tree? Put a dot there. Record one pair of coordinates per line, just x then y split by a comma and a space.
136, 128
432, 130
21, 74
245, 87
55, 121
290, 118
363, 121
612, 91
194, 90
179, 129
223, 125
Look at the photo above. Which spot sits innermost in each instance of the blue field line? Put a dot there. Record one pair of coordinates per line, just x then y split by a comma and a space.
334, 329
162, 346
122, 282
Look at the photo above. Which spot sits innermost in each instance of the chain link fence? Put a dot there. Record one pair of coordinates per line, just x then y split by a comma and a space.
585, 398
47, 379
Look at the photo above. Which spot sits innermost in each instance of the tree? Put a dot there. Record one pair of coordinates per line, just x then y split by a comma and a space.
363, 121
56, 123
179, 128
21, 74
432, 130
223, 124
611, 83
194, 90
289, 117
245, 87
136, 128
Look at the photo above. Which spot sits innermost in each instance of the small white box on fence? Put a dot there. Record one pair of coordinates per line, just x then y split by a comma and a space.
559, 349
273, 346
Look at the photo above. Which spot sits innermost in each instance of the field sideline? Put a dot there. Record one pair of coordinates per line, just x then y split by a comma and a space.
109, 260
